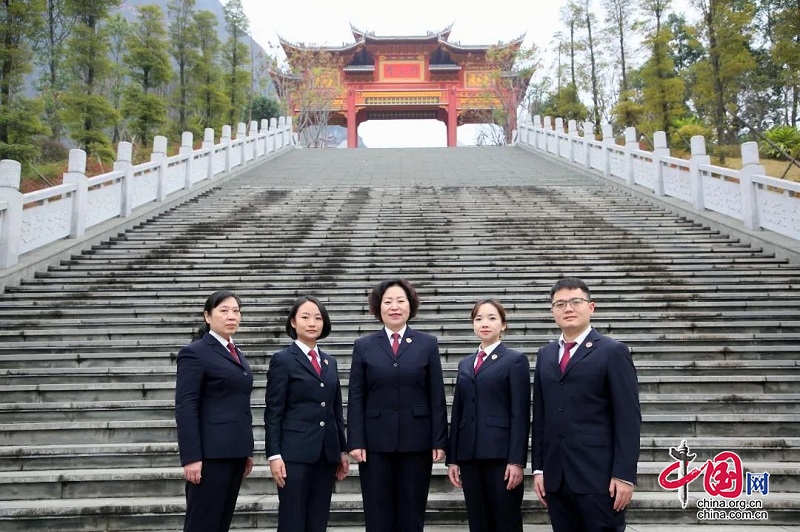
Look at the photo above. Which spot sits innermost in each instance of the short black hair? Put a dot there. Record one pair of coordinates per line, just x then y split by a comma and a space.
376, 296
570, 283
326, 320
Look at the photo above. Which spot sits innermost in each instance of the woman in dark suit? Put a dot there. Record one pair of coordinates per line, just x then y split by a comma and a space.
488, 447
305, 434
397, 415
212, 411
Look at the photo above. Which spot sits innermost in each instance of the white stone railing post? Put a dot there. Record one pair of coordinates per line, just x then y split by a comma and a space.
559, 130
11, 219
76, 174
281, 132
254, 134
588, 135
660, 150
572, 127
750, 167
631, 145
187, 148
208, 144
698, 157
608, 140
159, 155
124, 164
264, 129
241, 134
273, 133
289, 131
226, 141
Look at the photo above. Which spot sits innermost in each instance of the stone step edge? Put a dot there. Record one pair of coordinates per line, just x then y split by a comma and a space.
340, 502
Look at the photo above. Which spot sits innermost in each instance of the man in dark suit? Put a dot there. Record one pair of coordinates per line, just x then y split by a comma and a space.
212, 412
586, 420
304, 425
397, 413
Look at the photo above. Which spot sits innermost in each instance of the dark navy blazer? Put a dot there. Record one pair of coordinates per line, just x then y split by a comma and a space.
212, 402
303, 416
586, 423
491, 410
396, 403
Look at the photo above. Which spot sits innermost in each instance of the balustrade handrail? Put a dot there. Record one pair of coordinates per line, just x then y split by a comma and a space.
757, 200
34, 220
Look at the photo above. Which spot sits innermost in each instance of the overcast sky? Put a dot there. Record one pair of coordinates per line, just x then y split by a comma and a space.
329, 22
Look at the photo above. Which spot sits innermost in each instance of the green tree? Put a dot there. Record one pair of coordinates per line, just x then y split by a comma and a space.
119, 31
150, 70
236, 59
58, 24
786, 53
209, 101
619, 18
87, 111
20, 22
183, 38
265, 108
726, 29
662, 89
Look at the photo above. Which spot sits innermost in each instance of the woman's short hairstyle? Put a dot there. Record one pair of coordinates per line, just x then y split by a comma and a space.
326, 320
212, 302
501, 311
376, 296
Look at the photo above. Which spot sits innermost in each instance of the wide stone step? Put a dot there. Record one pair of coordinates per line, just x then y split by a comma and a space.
165, 454
684, 424
169, 482
259, 512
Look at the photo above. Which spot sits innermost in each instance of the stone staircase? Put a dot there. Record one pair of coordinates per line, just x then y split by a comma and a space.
87, 348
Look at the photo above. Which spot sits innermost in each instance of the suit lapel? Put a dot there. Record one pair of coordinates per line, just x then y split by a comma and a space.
219, 349
492, 359
304, 359
582, 351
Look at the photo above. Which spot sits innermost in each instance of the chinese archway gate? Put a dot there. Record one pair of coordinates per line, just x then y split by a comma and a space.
390, 78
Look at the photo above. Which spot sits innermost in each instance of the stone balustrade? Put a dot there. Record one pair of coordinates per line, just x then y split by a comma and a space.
758, 201
34, 220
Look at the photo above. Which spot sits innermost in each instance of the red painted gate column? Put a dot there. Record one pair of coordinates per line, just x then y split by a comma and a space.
452, 120
352, 126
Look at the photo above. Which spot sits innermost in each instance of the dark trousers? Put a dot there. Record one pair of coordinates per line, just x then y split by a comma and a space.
210, 504
305, 500
394, 487
490, 506
583, 512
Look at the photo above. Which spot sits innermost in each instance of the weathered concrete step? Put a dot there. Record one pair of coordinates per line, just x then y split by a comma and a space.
141, 410
165, 454
725, 385
169, 482
166, 373
259, 512
175, 332
654, 425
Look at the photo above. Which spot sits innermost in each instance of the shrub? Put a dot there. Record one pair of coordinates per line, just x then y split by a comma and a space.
787, 138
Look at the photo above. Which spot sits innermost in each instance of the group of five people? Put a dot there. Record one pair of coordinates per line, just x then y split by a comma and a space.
585, 416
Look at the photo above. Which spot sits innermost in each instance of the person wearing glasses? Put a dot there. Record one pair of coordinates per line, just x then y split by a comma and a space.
586, 419
490, 425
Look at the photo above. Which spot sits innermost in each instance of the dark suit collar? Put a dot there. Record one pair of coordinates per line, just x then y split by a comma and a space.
491, 359
405, 341
305, 361
583, 349
218, 348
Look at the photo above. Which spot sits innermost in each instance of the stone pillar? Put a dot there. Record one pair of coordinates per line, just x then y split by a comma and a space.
750, 166
124, 164
226, 140
631, 145
588, 138
699, 156
264, 130
572, 132
11, 217
76, 175
160, 155
241, 134
273, 134
608, 140
208, 144
660, 150
187, 148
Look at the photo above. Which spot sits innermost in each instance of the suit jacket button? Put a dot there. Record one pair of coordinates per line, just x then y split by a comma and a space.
322, 404
244, 373
321, 423
322, 385
395, 364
